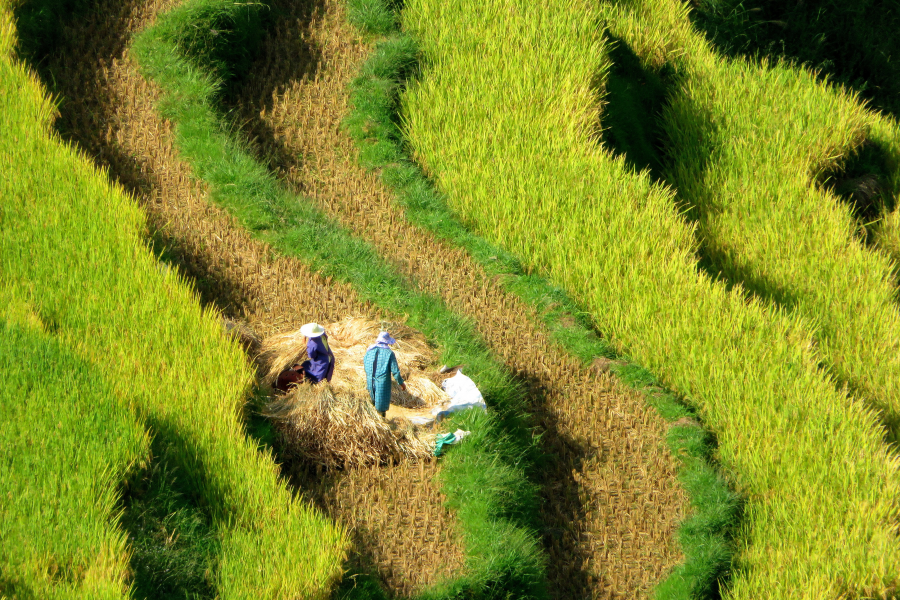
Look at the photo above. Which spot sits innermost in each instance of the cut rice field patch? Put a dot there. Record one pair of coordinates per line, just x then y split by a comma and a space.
595, 509
108, 110
399, 524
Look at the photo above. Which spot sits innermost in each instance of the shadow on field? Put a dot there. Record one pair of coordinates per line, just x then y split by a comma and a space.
634, 120
13, 588
297, 56
635, 99
861, 182
851, 43
173, 542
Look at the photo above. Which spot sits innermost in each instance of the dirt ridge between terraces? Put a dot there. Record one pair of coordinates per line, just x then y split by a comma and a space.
108, 111
611, 501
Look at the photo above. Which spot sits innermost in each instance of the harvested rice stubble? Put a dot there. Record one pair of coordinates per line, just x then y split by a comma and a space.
611, 498
397, 519
109, 112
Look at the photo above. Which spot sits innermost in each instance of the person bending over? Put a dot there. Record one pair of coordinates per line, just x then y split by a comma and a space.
289, 378
321, 359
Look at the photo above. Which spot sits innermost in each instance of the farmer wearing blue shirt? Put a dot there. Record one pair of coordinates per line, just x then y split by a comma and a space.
321, 359
379, 362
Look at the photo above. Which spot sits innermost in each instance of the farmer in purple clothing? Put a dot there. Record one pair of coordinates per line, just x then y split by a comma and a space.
321, 359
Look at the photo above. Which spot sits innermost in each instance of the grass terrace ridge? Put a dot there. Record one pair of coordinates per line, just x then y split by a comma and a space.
484, 479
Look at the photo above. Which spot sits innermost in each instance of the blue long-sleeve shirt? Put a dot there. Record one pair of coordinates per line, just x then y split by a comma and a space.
378, 362
321, 359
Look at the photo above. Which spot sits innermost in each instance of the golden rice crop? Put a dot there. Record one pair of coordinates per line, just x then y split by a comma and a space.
519, 160
760, 215
144, 330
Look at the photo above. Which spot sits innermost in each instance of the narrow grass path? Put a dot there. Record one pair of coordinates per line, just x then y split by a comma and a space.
191, 53
611, 500
108, 109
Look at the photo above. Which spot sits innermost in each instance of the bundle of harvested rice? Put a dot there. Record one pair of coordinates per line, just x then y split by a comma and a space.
335, 424
322, 425
349, 340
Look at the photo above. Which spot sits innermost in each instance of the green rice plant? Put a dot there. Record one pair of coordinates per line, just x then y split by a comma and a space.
705, 535
746, 144
73, 247
485, 479
513, 145
66, 443
886, 133
852, 43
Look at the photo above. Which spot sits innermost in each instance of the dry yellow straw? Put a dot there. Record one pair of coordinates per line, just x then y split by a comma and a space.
334, 424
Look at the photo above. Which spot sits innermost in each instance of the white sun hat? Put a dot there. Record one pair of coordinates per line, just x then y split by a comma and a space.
312, 330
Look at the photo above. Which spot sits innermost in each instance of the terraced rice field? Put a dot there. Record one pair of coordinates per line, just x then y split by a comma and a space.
110, 113
779, 334
611, 501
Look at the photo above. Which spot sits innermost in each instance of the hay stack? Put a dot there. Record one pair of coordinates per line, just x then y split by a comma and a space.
335, 424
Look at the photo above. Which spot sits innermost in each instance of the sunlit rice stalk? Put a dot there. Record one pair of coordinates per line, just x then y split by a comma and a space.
746, 144
517, 157
73, 246
66, 444
485, 479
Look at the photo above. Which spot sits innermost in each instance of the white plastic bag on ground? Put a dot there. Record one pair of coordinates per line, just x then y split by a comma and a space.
463, 394
459, 434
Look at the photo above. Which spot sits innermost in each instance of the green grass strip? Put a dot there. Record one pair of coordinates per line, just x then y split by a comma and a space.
485, 479
704, 535
73, 247
513, 145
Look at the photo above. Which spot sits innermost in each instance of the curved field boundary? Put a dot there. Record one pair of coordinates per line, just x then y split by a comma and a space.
519, 159
72, 247
484, 478
109, 110
886, 132
67, 444
610, 500
704, 534
746, 144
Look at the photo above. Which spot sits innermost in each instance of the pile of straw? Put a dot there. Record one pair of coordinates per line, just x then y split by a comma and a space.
335, 424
